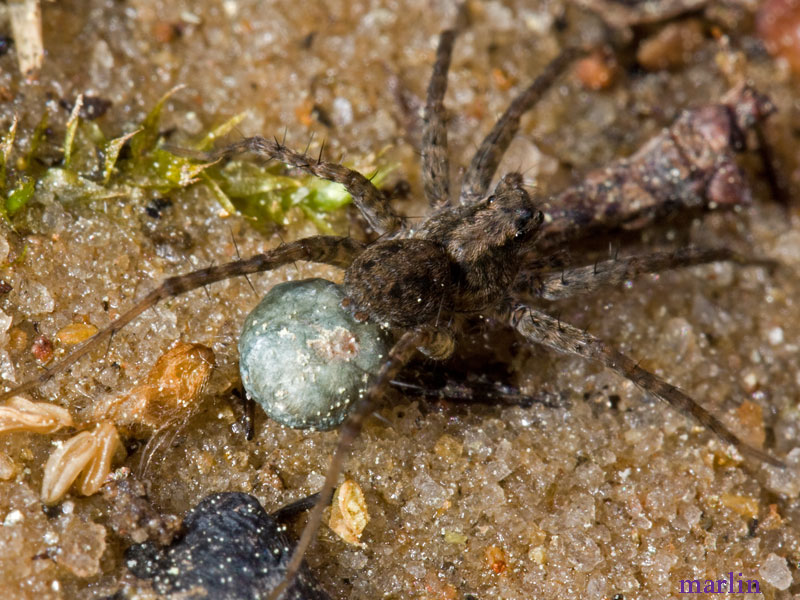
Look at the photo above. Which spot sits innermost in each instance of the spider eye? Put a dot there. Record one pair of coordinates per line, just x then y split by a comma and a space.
519, 234
490, 200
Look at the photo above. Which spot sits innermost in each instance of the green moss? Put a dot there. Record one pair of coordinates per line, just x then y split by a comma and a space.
93, 166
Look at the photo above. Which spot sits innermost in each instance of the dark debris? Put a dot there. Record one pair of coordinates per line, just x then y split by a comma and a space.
229, 549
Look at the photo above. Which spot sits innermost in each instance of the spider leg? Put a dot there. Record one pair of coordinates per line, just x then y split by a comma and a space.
583, 280
543, 329
474, 391
777, 186
369, 199
332, 250
435, 163
398, 357
481, 170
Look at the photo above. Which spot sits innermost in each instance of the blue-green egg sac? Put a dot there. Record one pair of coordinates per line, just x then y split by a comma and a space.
303, 358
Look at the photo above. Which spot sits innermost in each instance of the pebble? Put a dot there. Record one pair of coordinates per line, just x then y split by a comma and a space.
778, 24
775, 572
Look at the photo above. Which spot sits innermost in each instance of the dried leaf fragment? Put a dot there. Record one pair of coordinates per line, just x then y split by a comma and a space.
349, 513
170, 388
19, 414
87, 455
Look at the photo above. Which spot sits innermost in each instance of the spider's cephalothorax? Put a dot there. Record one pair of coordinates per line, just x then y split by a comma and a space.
460, 259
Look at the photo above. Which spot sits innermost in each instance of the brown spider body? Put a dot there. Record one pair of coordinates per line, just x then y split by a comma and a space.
456, 261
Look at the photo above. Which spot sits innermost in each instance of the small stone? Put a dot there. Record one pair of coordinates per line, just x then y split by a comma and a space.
778, 24
786, 481
775, 336
75, 333
751, 418
496, 559
7, 467
342, 113
42, 349
448, 448
81, 545
538, 555
428, 491
101, 64
596, 71
349, 514
747, 507
455, 537
672, 47
130, 513
303, 358
775, 572
13, 518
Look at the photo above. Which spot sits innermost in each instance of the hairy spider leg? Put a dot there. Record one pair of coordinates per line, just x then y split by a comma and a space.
574, 281
435, 161
332, 250
475, 391
400, 354
543, 329
367, 198
484, 164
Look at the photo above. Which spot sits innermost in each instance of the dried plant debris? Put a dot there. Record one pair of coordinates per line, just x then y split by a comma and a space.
94, 167
690, 165
132, 516
229, 547
19, 414
26, 27
169, 391
626, 13
85, 457
349, 514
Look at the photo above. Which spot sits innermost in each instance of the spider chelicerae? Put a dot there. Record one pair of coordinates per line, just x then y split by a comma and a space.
473, 253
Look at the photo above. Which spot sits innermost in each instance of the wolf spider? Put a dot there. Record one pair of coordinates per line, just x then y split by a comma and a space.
471, 255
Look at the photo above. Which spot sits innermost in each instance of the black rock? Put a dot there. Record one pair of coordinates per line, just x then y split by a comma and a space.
229, 549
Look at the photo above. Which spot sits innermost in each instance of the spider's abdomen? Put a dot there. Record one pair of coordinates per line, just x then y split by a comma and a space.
403, 283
